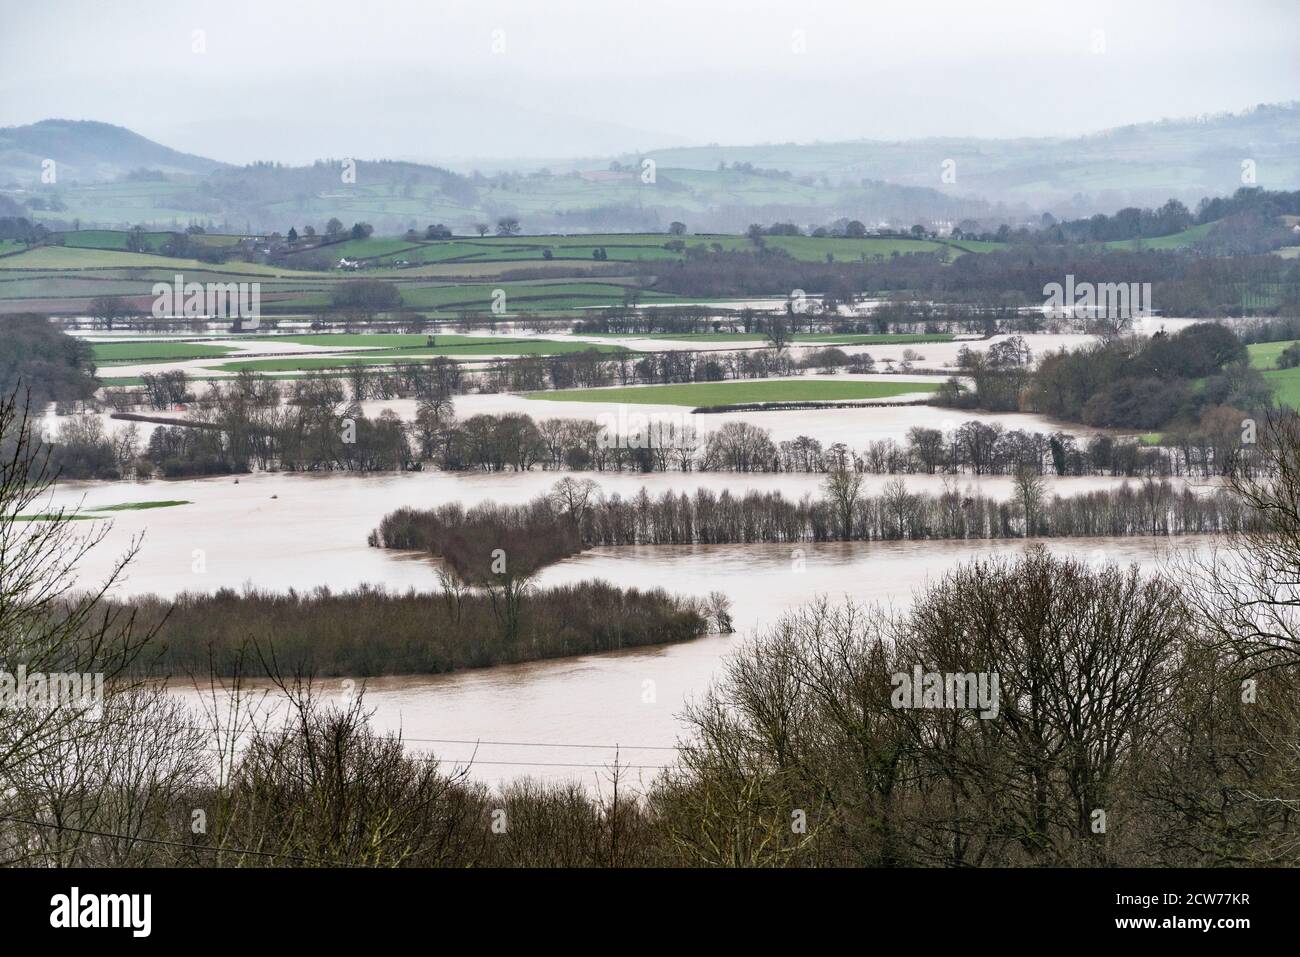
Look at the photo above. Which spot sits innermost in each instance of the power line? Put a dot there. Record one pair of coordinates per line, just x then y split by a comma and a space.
521, 744
470, 762
548, 744
553, 764
164, 843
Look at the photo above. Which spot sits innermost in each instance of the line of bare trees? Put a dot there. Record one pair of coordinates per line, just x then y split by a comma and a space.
254, 423
843, 512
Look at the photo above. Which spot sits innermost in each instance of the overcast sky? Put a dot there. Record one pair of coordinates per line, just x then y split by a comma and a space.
272, 79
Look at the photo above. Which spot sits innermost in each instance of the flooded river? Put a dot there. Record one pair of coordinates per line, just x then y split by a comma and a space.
568, 719
561, 719
281, 531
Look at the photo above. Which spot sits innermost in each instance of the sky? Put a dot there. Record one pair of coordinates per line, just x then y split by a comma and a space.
242, 80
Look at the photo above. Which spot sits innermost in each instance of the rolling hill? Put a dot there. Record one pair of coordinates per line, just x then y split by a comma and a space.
87, 152
712, 189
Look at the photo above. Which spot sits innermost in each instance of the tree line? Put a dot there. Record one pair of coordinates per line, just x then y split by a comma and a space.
315, 429
843, 511
1128, 382
1184, 283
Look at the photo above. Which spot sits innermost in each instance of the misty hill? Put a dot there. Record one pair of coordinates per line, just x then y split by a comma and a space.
395, 196
86, 151
718, 189
1142, 164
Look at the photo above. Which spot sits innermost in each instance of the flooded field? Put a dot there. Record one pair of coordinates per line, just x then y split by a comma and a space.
281, 531
568, 719
562, 719
558, 719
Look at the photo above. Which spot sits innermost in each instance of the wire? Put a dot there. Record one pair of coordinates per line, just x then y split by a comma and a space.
552, 764
159, 841
547, 744
520, 744
471, 761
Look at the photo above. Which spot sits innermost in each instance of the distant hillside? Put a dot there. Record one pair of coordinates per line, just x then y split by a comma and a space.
1140, 165
395, 196
711, 189
85, 151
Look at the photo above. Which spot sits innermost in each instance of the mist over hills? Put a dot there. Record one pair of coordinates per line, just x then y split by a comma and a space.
87, 151
108, 175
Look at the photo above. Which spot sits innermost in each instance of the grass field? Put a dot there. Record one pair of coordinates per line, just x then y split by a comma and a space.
1286, 385
809, 338
141, 506
635, 247
482, 347
71, 257
85, 517
440, 277
99, 248
729, 393
531, 296
1285, 382
1187, 237
111, 352
380, 340
107, 239
1263, 355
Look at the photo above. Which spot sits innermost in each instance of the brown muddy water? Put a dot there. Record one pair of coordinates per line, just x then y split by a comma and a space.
561, 719
569, 719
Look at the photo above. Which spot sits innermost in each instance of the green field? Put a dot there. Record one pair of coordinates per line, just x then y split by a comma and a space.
106, 239
867, 339
441, 277
1263, 355
141, 506
72, 257
848, 339
99, 248
483, 347
116, 352
1187, 237
532, 296
1285, 382
636, 247
380, 340
730, 393
82, 516
1286, 385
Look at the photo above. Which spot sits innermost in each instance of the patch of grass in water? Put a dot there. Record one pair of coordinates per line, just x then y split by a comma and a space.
140, 506
83, 517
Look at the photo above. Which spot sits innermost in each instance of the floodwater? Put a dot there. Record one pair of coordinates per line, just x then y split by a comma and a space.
281, 531
560, 719
569, 719
855, 426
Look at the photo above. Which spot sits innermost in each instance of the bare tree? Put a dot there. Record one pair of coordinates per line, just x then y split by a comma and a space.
1029, 493
843, 487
